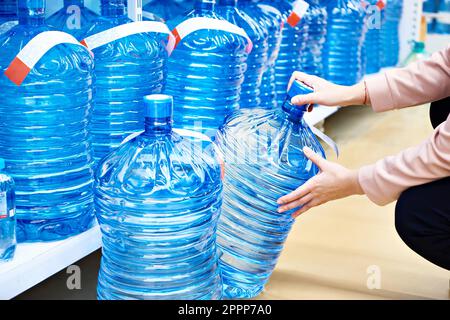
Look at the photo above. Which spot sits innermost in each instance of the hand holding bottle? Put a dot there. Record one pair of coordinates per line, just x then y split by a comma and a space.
327, 93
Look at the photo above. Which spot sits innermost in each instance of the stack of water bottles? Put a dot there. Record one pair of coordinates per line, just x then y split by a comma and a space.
390, 33
141, 128
342, 51
312, 58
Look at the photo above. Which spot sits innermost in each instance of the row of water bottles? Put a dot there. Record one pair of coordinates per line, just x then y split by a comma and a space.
165, 195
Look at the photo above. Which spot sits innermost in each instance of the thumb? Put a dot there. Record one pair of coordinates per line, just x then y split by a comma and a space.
302, 99
315, 158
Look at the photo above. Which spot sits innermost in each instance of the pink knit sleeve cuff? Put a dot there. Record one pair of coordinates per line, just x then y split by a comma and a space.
370, 188
379, 93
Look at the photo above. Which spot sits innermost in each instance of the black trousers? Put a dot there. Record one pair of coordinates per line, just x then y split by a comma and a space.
422, 214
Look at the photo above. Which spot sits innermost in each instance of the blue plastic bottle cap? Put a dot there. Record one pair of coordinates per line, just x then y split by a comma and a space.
298, 88
2, 164
158, 106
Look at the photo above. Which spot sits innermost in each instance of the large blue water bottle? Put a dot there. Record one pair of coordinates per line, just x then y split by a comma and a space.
442, 22
269, 18
390, 33
74, 18
158, 199
206, 71
263, 161
293, 44
44, 130
312, 57
163, 9
126, 69
257, 59
7, 215
373, 44
342, 50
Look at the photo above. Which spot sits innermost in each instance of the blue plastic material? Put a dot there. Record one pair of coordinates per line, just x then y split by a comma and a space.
293, 45
269, 18
373, 42
312, 57
430, 6
257, 59
74, 18
164, 10
158, 199
390, 33
343, 47
44, 133
442, 25
126, 70
206, 73
7, 215
8, 11
264, 161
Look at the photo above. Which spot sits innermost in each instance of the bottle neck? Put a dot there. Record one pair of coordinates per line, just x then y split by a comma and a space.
114, 8
228, 3
31, 12
79, 3
205, 4
295, 113
158, 126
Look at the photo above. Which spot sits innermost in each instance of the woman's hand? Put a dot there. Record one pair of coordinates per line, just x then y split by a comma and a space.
333, 182
327, 93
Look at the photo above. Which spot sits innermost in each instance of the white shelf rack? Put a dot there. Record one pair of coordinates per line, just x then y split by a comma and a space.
35, 262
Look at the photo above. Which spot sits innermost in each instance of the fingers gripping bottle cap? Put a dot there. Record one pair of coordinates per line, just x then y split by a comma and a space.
158, 106
299, 88
296, 112
2, 164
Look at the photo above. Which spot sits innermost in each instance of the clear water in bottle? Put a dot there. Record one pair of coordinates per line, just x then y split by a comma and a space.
312, 57
163, 9
372, 43
44, 133
126, 70
342, 54
158, 199
74, 18
269, 18
7, 215
293, 44
232, 11
263, 161
206, 72
390, 33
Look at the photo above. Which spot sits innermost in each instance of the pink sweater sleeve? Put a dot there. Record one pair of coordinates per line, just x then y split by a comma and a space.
421, 82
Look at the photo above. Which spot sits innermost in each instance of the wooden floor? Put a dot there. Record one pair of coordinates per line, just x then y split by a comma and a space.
333, 251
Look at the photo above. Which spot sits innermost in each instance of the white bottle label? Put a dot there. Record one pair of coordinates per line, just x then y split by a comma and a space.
3, 206
33, 51
298, 11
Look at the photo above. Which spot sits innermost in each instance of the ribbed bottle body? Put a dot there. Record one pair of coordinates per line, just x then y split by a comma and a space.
232, 11
44, 133
293, 43
206, 72
390, 33
342, 54
125, 70
312, 58
263, 161
269, 18
163, 9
